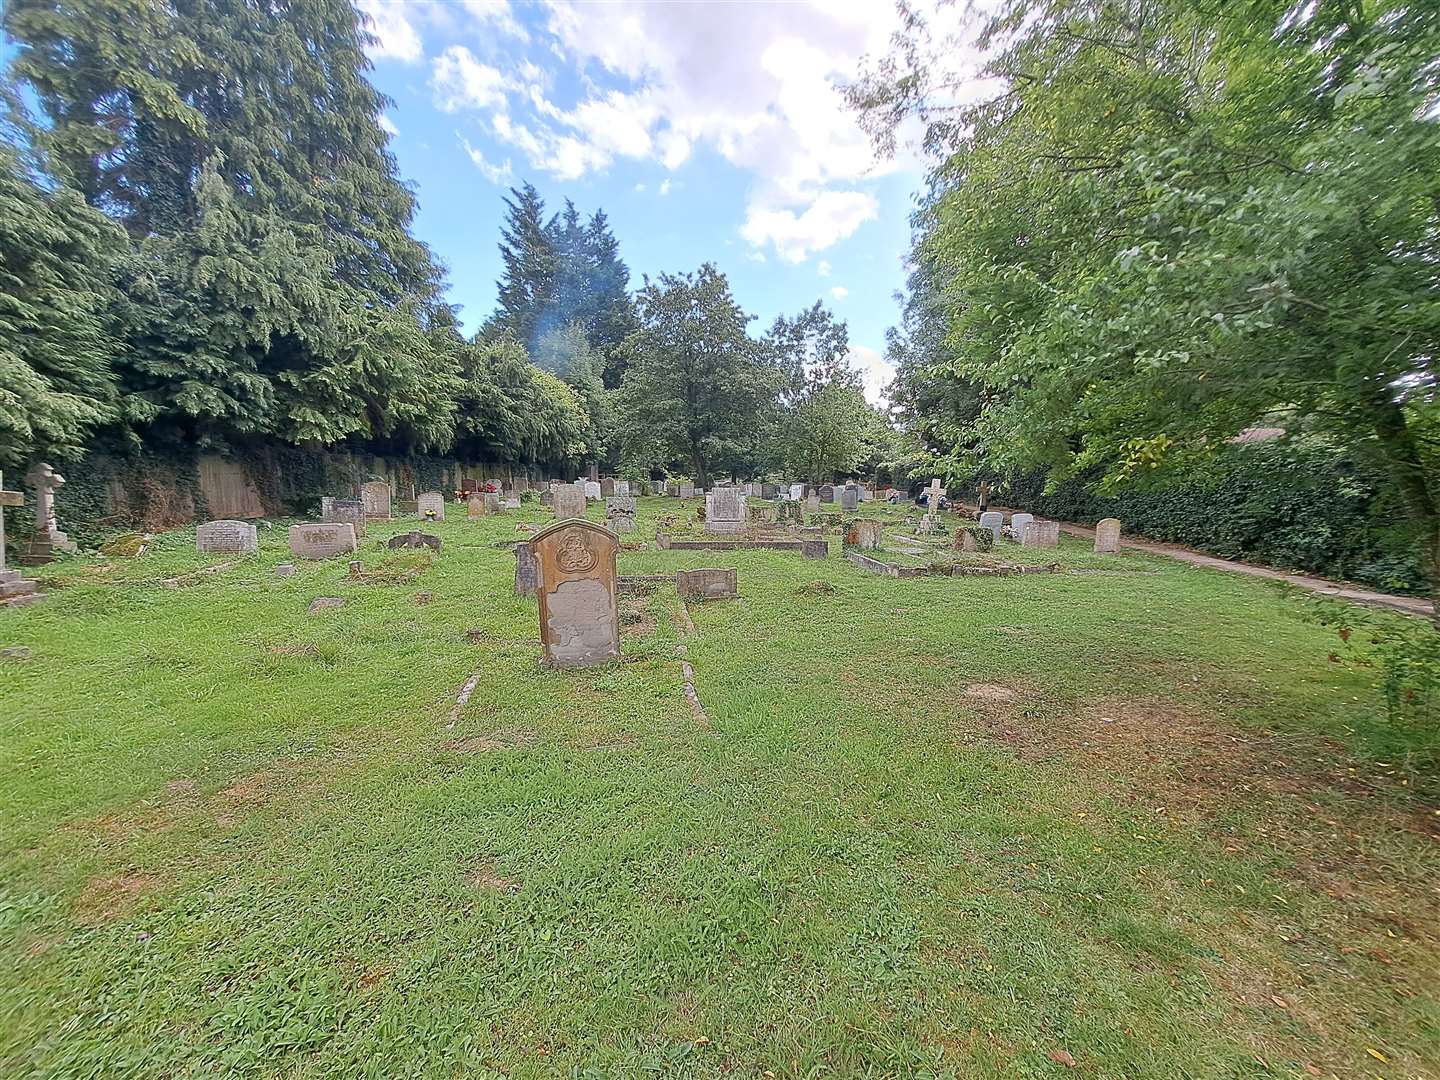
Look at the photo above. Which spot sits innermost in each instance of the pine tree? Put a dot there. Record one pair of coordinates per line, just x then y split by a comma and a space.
56, 382
530, 267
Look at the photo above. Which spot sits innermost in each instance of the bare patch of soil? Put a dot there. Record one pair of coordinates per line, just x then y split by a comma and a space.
511, 739
989, 692
636, 618
486, 876
106, 899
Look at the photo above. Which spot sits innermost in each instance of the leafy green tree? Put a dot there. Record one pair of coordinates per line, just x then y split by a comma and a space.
56, 352
695, 382
510, 410
1176, 221
566, 353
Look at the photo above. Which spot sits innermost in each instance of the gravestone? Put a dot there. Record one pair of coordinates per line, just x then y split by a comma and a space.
994, 521
475, 507
827, 493
227, 538
672, 489
322, 540
48, 537
607, 487
769, 491
849, 497
724, 511
375, 497
812, 503
346, 510
592, 489
430, 505
547, 499
413, 539
579, 620
815, 549
569, 502
687, 489
469, 483
527, 570
1018, 523
1041, 534
622, 488
707, 584
865, 535
620, 513
797, 492
1107, 536
492, 502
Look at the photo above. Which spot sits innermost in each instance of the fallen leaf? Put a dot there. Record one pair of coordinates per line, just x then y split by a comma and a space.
1061, 1057
1280, 1001
1376, 1054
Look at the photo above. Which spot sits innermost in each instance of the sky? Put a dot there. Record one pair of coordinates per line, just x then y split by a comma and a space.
709, 131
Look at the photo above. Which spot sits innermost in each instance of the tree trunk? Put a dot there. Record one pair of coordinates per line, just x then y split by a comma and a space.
1403, 457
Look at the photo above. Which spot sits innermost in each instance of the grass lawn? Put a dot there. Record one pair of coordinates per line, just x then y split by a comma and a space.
1121, 821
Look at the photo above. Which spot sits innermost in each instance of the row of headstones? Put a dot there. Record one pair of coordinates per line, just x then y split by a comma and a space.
1046, 534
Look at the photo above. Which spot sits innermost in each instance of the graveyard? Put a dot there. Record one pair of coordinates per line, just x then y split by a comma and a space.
304, 815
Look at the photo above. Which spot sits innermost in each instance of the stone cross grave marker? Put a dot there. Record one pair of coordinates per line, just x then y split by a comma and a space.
931, 521
579, 618
1107, 536
569, 502
48, 537
375, 496
227, 538
430, 506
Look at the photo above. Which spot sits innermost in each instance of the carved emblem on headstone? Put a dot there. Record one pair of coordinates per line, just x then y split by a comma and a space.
575, 557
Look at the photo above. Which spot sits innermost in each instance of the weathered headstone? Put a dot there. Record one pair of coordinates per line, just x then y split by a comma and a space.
797, 492
376, 498
812, 503
579, 619
492, 502
527, 570
592, 489
475, 507
707, 584
769, 491
1107, 536
622, 488
815, 549
48, 537
1041, 534
724, 511
227, 538
348, 510
849, 497
994, 521
1018, 523
672, 489
414, 539
607, 486
430, 506
865, 535
569, 502
547, 499
827, 493
620, 513
322, 540
687, 489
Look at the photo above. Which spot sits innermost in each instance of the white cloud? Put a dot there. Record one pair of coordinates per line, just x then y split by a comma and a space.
875, 370
387, 125
396, 36
823, 269
756, 84
664, 188
839, 292
459, 80
496, 174
640, 187
756, 256
831, 217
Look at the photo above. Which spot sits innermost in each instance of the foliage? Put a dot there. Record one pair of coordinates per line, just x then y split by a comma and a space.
56, 352
1301, 504
566, 353
560, 273
696, 387
513, 411
1173, 222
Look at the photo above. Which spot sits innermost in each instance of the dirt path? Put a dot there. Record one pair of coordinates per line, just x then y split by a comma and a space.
1410, 605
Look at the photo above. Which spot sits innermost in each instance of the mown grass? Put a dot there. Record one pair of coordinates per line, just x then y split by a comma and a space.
1128, 816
